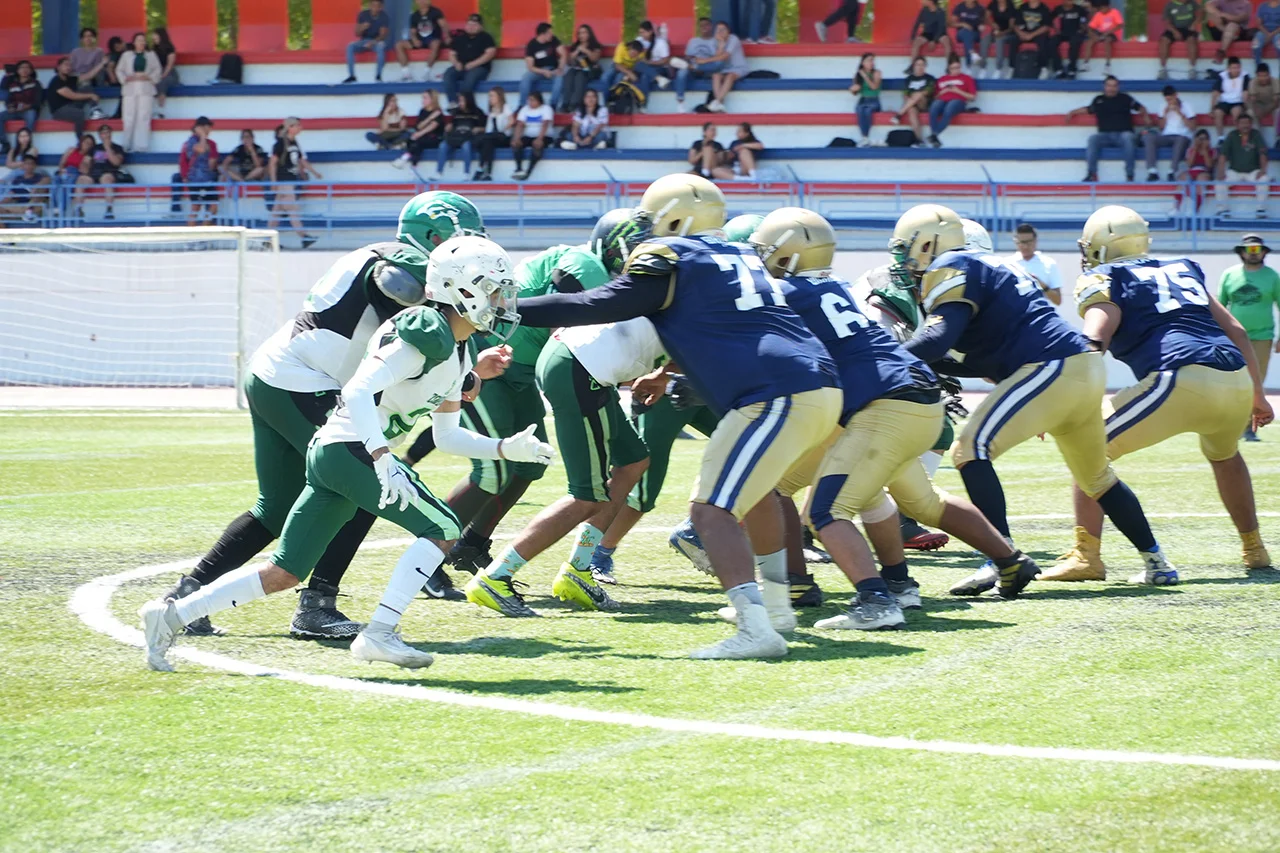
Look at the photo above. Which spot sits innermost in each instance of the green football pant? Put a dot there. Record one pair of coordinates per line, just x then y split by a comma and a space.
592, 430
341, 479
947, 437
503, 410
659, 427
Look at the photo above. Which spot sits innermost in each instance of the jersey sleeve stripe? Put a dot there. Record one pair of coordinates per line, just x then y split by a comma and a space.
941, 289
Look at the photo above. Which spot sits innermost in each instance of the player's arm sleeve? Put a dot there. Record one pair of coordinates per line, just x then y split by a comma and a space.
948, 366
453, 438
942, 329
388, 365
633, 294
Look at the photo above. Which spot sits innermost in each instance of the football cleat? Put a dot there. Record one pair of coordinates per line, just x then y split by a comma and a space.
160, 626
813, 552
602, 569
906, 593
805, 591
1159, 571
981, 581
1081, 563
1014, 578
501, 594
440, 585
318, 618
579, 587
201, 627
755, 639
917, 538
871, 611
777, 603
388, 647
684, 539
1255, 553
469, 558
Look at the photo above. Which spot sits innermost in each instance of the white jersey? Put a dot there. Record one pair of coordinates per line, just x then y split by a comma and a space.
1041, 267
614, 353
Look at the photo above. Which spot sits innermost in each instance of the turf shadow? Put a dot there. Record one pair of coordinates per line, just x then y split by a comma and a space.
519, 686
1255, 576
511, 647
810, 646
666, 610
1042, 593
925, 621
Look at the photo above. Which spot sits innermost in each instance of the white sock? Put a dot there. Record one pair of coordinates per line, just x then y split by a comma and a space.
743, 596
234, 589
584, 546
773, 567
418, 562
931, 462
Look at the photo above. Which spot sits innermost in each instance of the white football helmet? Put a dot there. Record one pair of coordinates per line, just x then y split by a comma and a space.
474, 276
976, 237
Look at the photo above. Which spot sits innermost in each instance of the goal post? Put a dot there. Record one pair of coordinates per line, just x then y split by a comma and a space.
136, 307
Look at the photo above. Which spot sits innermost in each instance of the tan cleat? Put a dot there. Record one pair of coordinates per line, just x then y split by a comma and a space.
1081, 563
1255, 553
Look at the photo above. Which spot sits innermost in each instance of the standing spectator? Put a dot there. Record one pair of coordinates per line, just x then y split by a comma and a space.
742, 156
967, 17
847, 11
1268, 31
1227, 20
590, 128
867, 83
289, 164
756, 20
73, 171
1000, 19
1106, 26
583, 66
1227, 97
473, 53
198, 170
465, 124
532, 125
22, 97
1250, 290
497, 132
1114, 111
1182, 20
1072, 19
1243, 159
391, 131
168, 56
427, 133
115, 49
1263, 96
1173, 127
107, 167
929, 30
956, 91
373, 33
917, 93
1041, 268
700, 60
247, 162
88, 61
67, 102
23, 200
427, 31
545, 58
706, 155
1034, 25
139, 72
729, 46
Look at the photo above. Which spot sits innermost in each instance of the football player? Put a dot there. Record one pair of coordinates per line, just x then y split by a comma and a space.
1196, 373
292, 386
1049, 378
723, 320
414, 366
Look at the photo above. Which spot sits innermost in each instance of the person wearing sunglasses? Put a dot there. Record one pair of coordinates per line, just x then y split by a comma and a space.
1250, 290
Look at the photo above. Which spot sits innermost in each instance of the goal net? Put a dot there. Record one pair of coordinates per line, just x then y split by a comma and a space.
135, 307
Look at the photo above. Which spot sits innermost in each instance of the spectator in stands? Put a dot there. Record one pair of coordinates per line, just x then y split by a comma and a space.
23, 144
1201, 163
929, 30
289, 164
956, 91
473, 53
428, 31
1041, 268
22, 97
67, 102
24, 200
701, 59
1106, 26
1263, 96
1227, 21
391, 132
168, 56
729, 47
917, 94
497, 132
89, 61
967, 17
545, 58
1250, 290
1033, 25
373, 33
464, 125
73, 171
139, 71
1243, 159
756, 19
1268, 30
1114, 111
1173, 128
247, 162
198, 171
107, 167
707, 155
530, 130
743, 154
847, 11
1072, 19
1227, 97
866, 86
655, 63
583, 66
590, 128
427, 133
629, 66
1001, 15
1182, 21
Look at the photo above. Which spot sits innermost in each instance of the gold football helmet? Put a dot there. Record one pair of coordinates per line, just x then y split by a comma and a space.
923, 233
683, 204
1114, 233
792, 239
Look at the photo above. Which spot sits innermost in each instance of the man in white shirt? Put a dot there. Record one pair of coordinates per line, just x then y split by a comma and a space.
1173, 127
533, 123
1042, 268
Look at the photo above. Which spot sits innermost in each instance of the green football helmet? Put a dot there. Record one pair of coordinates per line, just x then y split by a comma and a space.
617, 233
430, 218
738, 229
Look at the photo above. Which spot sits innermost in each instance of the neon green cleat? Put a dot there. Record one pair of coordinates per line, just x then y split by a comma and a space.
500, 594
579, 587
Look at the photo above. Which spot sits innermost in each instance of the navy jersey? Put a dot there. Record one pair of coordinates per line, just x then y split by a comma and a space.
1011, 323
1165, 321
871, 363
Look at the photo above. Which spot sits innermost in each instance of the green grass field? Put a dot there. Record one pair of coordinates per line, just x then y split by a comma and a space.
99, 754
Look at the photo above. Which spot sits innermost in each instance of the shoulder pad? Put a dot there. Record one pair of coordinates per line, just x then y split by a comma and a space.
656, 259
425, 329
942, 285
1092, 289
397, 284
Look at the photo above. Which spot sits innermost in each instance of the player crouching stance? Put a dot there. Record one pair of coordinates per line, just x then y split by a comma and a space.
1196, 373
414, 366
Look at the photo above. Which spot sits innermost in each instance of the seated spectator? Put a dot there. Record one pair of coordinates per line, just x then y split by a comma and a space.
1113, 110
626, 56
917, 94
139, 72
729, 46
289, 165
1227, 20
656, 61
22, 97
590, 127
531, 128
866, 86
545, 59
1039, 267
700, 60
24, 199
473, 52
373, 32
583, 66
67, 102
1033, 25
198, 170
426, 134
1243, 159
1201, 163
706, 155
956, 91
427, 31
1105, 26
846, 10
1182, 21
1268, 31
1001, 15
89, 61
391, 131
1227, 97
115, 50
464, 127
164, 50
23, 145
107, 167
247, 161
967, 18
1263, 96
497, 132
1173, 127
73, 171
743, 154
929, 30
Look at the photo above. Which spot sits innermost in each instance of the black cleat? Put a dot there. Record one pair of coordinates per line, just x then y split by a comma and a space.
201, 627
813, 552
1014, 579
805, 591
440, 585
318, 618
466, 557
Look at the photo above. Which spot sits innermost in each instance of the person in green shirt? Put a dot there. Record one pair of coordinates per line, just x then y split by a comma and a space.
1243, 159
1250, 290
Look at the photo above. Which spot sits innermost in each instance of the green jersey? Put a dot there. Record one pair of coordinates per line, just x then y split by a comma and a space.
1251, 297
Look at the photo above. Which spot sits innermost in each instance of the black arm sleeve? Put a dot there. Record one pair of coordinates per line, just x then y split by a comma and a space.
941, 331
948, 366
625, 297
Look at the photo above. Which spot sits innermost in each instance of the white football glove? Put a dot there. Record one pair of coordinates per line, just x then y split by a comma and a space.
396, 485
525, 447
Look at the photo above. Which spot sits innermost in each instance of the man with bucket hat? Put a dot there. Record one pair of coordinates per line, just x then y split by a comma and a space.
1250, 290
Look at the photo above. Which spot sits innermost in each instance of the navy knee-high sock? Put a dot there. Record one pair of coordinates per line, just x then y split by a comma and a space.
1122, 507
984, 489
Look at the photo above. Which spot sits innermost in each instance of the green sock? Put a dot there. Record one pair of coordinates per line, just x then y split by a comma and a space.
507, 564
584, 546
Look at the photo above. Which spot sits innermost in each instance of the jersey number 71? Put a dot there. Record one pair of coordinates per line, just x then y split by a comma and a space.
753, 279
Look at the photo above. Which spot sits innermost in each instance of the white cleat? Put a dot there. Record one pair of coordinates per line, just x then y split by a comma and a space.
875, 612
756, 639
777, 603
160, 624
1159, 571
388, 647
983, 580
